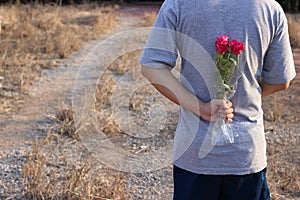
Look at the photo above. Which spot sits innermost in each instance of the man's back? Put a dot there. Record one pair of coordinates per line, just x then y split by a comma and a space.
254, 22
261, 26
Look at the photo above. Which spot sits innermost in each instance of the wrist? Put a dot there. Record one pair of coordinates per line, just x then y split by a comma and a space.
199, 107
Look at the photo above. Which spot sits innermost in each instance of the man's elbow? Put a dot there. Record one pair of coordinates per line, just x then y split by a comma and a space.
285, 86
272, 88
280, 87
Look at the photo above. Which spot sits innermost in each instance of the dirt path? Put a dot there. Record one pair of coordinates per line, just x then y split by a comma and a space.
55, 88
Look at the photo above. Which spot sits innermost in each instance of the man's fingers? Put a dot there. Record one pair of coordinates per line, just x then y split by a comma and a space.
230, 116
218, 109
229, 120
229, 104
226, 116
226, 111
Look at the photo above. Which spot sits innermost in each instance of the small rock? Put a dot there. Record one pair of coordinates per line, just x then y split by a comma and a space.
143, 147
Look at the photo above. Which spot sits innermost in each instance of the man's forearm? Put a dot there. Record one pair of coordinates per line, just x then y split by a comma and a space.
272, 88
165, 82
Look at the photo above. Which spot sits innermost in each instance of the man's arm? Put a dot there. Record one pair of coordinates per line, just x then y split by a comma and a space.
272, 88
165, 82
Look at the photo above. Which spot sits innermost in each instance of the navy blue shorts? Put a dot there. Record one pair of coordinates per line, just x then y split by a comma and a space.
191, 186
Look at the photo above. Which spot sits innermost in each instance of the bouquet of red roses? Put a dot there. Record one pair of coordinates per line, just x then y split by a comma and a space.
227, 61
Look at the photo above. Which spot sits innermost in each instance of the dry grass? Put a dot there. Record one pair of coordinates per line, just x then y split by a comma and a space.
283, 169
148, 19
63, 122
59, 168
127, 63
294, 29
104, 90
35, 37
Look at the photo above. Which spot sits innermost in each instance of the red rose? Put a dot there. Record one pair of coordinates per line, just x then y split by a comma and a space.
222, 44
236, 46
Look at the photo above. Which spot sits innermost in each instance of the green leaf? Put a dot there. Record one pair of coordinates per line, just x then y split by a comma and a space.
233, 61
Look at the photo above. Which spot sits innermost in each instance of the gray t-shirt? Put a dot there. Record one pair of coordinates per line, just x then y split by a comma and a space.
189, 29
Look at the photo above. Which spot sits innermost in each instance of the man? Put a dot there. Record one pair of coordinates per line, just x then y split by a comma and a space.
190, 28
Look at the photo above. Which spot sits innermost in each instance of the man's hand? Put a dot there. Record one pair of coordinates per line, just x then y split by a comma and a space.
164, 81
217, 109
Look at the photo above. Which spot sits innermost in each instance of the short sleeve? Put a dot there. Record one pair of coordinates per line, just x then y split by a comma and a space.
278, 67
160, 50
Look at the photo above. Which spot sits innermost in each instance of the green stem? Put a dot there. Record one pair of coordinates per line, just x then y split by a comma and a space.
237, 64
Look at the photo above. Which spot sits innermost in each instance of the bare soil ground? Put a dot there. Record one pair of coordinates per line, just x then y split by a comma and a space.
54, 90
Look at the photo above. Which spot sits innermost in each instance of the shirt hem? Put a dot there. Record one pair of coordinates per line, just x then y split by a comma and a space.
219, 171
